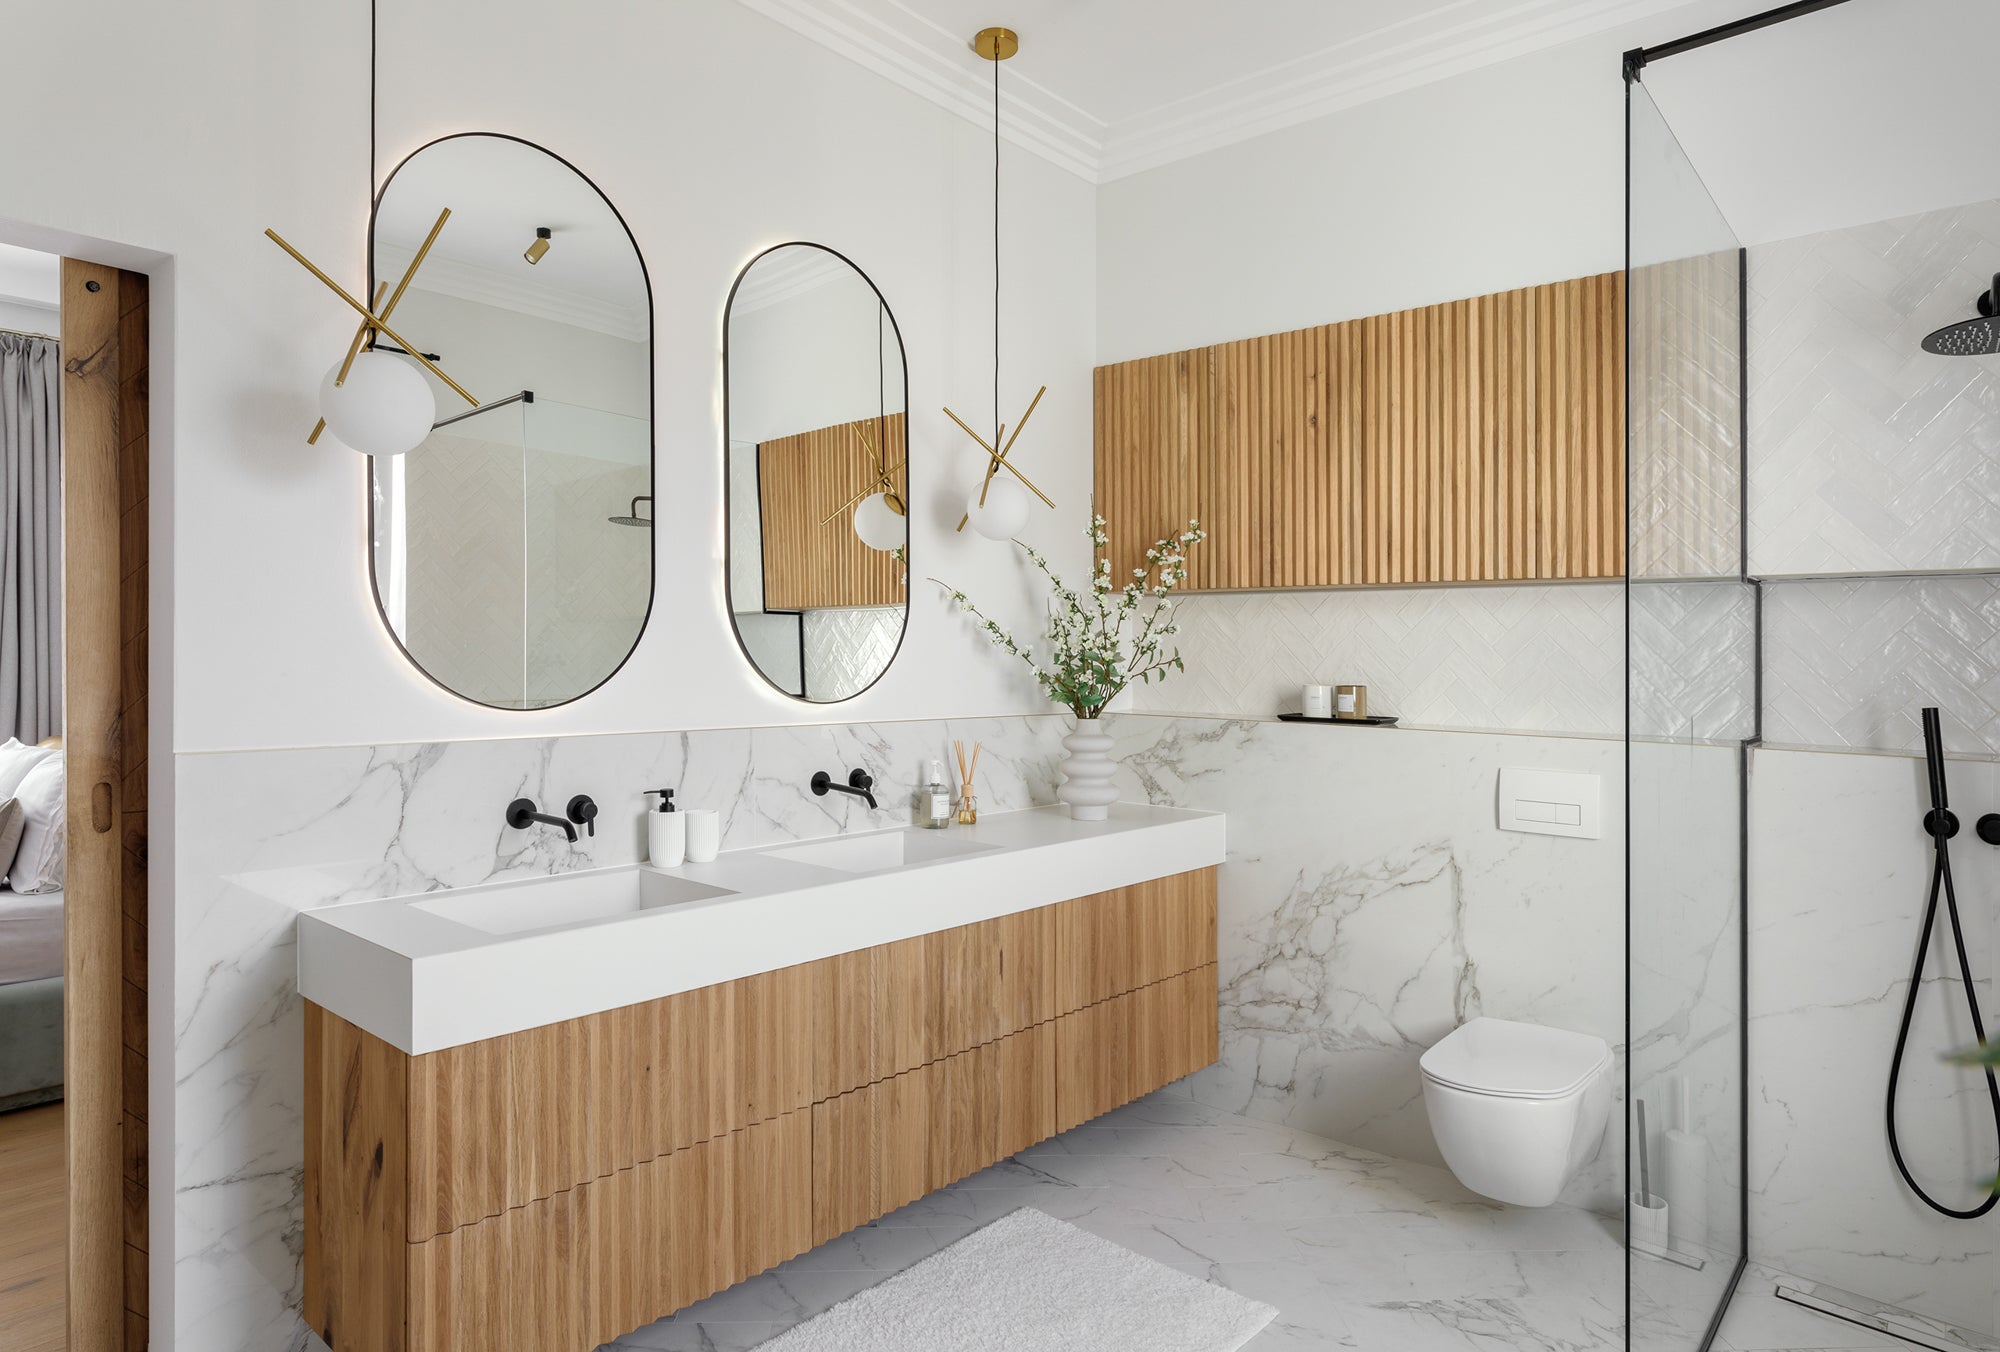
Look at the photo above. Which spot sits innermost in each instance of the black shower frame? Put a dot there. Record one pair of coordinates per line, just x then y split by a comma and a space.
1632, 67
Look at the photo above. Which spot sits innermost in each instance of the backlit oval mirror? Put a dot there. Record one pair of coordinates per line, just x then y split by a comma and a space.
513, 548
817, 481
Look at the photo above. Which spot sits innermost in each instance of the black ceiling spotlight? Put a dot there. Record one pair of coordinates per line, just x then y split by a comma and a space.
534, 251
1971, 337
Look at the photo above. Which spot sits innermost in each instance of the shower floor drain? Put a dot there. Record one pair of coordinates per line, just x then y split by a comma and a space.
1898, 1323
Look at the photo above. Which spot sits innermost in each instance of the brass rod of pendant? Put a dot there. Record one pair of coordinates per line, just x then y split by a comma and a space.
1024, 422
409, 273
992, 467
384, 311
871, 488
361, 331
995, 456
347, 364
974, 435
372, 321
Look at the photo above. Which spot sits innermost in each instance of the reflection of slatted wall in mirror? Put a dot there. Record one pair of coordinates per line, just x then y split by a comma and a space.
816, 476
811, 563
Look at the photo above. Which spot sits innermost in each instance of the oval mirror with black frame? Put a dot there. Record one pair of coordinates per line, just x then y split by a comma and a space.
513, 548
817, 475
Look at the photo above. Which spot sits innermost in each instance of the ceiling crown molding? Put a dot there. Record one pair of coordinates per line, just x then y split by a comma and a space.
891, 39
911, 51
1403, 55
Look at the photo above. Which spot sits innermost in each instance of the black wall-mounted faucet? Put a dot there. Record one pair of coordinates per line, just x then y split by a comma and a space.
859, 783
521, 814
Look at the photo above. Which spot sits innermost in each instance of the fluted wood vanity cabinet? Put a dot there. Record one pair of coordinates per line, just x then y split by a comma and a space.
558, 1187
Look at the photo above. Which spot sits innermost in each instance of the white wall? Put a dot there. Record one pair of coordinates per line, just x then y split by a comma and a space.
231, 131
1503, 177
27, 318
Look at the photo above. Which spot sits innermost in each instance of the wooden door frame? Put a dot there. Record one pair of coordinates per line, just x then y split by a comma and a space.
104, 319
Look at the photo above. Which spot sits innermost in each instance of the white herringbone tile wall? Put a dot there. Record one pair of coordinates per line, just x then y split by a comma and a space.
1867, 453
1694, 661
846, 650
1849, 663
1528, 658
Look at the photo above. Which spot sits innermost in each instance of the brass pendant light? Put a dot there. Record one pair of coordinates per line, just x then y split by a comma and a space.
372, 401
999, 508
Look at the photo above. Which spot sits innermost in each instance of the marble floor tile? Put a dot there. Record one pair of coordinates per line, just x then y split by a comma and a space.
1355, 1250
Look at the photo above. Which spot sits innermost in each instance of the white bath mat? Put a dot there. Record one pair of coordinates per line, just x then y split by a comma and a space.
1031, 1283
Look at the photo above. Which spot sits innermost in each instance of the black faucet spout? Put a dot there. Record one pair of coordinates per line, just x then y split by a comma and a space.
860, 784
521, 815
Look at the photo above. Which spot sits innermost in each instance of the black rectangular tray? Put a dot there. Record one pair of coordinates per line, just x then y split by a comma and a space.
1372, 721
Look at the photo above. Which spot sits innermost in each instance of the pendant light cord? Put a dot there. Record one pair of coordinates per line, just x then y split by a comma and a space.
372, 77
996, 241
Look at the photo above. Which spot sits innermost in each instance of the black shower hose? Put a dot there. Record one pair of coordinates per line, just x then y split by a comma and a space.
1941, 825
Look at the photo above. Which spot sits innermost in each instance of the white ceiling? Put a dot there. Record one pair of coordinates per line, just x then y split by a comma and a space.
28, 277
1111, 87
1868, 111
499, 191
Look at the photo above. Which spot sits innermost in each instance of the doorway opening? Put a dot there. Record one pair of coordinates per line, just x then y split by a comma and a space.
74, 669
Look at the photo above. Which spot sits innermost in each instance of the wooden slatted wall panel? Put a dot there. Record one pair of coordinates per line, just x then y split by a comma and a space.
802, 478
1478, 440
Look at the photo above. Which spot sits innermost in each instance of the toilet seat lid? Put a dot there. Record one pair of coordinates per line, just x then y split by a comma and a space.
1515, 1060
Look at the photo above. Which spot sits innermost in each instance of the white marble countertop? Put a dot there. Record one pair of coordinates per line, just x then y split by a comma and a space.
423, 980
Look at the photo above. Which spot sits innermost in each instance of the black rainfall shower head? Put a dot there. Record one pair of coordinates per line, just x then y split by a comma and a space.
1972, 337
632, 517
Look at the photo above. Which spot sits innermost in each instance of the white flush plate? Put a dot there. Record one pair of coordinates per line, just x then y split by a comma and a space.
1551, 802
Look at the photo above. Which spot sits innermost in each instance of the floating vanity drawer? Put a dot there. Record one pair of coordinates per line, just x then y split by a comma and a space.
555, 1188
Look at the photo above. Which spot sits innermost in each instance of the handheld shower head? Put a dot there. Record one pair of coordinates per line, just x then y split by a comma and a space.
1971, 337
1940, 822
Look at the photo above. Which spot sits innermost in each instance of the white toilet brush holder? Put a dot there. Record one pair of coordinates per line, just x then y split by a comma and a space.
1646, 1226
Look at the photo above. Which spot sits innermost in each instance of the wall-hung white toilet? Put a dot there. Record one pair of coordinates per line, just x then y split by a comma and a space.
1517, 1108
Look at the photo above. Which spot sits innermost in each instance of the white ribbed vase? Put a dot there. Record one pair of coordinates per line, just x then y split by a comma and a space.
1087, 772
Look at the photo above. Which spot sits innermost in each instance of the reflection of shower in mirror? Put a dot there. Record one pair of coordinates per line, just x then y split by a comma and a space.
632, 517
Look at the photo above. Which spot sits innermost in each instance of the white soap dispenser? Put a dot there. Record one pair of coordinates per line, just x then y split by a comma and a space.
666, 833
937, 799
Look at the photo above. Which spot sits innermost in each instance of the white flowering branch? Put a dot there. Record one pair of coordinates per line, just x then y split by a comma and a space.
1091, 656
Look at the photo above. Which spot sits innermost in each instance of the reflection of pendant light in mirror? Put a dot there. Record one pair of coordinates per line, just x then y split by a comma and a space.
879, 521
998, 508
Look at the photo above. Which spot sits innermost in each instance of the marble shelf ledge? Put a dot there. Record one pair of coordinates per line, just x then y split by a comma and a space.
423, 982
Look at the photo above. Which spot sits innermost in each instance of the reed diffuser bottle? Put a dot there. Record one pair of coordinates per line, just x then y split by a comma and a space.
968, 800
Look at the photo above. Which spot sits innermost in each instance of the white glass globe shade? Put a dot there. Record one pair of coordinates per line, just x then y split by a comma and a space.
879, 525
385, 407
1005, 511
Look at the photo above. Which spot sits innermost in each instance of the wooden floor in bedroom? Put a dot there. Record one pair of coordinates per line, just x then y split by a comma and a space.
31, 1240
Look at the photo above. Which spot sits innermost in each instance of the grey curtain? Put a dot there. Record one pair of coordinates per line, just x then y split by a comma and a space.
30, 539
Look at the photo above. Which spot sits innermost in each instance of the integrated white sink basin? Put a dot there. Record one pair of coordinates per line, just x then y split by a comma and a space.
560, 902
879, 852
433, 970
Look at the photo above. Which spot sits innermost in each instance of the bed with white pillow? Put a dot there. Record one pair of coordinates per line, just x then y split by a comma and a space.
32, 862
